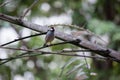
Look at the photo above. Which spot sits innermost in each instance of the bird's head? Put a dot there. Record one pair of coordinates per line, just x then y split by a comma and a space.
52, 29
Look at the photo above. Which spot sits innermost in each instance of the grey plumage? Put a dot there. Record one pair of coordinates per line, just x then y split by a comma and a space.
49, 36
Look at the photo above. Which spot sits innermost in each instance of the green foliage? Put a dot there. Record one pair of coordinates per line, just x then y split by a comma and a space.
35, 42
101, 27
5, 72
116, 36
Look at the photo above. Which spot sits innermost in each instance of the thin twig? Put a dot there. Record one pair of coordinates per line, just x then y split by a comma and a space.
5, 3
89, 70
22, 39
86, 61
19, 35
5, 62
31, 50
72, 26
28, 9
65, 42
56, 53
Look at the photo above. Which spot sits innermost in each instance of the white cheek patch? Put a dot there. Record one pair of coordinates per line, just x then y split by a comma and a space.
51, 29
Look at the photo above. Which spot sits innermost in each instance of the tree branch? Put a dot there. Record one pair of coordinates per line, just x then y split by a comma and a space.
5, 3
62, 52
106, 52
28, 9
22, 38
65, 42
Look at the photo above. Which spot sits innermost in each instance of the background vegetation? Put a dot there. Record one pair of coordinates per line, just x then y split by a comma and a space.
99, 16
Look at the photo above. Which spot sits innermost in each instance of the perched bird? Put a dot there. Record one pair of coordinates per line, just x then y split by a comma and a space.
49, 36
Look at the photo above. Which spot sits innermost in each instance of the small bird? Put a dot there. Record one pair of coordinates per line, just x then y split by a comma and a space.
49, 36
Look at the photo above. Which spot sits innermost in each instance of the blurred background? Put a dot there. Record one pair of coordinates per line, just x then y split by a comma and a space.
101, 17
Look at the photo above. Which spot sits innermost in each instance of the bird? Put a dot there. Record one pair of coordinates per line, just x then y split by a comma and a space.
49, 36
